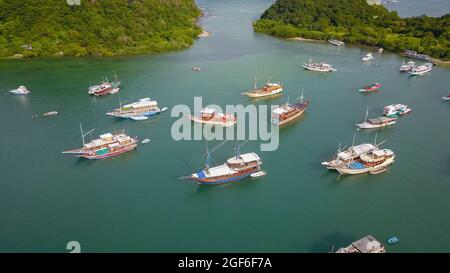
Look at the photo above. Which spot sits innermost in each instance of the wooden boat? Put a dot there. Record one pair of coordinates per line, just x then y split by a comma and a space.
105, 87
289, 112
346, 156
258, 174
414, 55
139, 110
370, 88
105, 146
269, 89
318, 67
209, 116
376, 122
235, 168
368, 162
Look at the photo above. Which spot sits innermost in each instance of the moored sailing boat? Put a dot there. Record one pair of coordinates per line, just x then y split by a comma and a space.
376, 122
139, 110
371, 162
236, 168
105, 146
269, 89
318, 67
209, 116
105, 87
289, 112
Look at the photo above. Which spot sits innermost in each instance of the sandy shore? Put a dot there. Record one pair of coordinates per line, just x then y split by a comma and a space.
204, 34
306, 40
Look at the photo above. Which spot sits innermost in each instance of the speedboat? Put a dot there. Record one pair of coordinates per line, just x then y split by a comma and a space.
258, 174
447, 98
22, 90
395, 110
393, 240
368, 57
145, 141
370, 88
319, 67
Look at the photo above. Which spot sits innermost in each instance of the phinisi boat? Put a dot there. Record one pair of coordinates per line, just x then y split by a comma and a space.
367, 244
376, 122
406, 67
22, 90
105, 87
209, 116
345, 156
447, 98
269, 89
370, 162
395, 110
370, 88
289, 112
318, 67
336, 42
421, 69
139, 110
105, 146
236, 168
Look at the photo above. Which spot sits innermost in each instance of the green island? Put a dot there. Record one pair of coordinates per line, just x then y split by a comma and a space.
30, 28
358, 23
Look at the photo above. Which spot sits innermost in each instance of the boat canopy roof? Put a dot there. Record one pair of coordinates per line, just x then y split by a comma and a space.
106, 136
142, 103
218, 171
279, 111
383, 152
362, 148
367, 244
208, 111
243, 158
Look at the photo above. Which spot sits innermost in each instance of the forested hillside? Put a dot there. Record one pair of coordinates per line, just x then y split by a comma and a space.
96, 27
356, 22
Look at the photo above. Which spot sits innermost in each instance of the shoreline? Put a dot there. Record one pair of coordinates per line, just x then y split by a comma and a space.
301, 39
204, 34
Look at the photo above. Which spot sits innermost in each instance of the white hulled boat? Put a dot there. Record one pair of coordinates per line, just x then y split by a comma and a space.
407, 67
22, 90
336, 42
395, 110
368, 57
421, 69
318, 67
209, 116
376, 122
139, 110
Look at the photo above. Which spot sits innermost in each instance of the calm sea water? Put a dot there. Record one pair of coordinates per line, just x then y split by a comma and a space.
137, 203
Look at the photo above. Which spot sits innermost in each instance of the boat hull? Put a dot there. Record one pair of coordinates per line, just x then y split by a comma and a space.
215, 122
131, 116
372, 126
290, 119
263, 94
381, 166
110, 154
225, 179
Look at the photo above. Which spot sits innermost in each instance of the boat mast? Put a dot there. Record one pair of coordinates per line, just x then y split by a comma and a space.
84, 134
254, 83
354, 138
301, 97
367, 113
375, 140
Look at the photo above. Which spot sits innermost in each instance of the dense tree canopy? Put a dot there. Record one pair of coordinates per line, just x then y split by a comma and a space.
356, 22
105, 28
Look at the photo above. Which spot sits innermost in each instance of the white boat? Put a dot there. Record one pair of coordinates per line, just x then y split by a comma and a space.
369, 162
51, 113
164, 109
395, 110
22, 90
368, 57
406, 67
318, 67
380, 51
447, 98
421, 69
140, 110
336, 42
145, 141
258, 174
376, 122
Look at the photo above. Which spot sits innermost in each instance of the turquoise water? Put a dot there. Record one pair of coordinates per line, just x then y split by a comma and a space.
137, 203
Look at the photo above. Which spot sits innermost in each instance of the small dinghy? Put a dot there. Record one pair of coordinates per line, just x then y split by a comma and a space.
51, 113
164, 109
145, 141
139, 118
258, 174
393, 240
